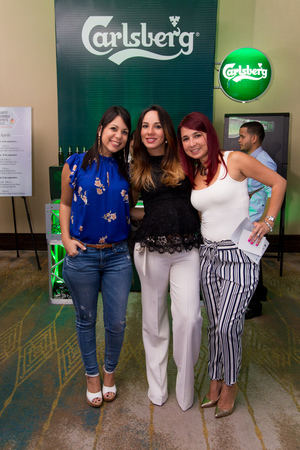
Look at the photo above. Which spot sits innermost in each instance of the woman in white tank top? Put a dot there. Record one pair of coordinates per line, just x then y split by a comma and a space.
228, 277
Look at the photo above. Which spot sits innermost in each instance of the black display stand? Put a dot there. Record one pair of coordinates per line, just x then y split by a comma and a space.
281, 237
30, 227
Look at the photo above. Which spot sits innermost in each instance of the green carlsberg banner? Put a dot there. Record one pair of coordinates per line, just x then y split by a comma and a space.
131, 53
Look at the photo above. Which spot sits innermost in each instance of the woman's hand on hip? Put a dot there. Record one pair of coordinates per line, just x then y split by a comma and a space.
71, 246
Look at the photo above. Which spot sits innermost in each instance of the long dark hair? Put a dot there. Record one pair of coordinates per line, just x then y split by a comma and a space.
121, 156
141, 170
198, 121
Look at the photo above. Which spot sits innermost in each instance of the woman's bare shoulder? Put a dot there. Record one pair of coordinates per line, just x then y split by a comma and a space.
236, 155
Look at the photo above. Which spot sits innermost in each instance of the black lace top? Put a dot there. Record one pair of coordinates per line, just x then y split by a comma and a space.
170, 223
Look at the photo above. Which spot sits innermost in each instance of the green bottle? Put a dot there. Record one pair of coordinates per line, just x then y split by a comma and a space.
60, 157
77, 150
83, 150
69, 151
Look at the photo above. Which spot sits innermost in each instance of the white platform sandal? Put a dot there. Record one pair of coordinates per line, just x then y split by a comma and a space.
94, 399
109, 390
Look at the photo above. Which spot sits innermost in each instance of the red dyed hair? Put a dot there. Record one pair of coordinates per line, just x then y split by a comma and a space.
199, 122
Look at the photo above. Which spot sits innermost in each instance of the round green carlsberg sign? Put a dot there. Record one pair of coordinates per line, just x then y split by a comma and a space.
245, 74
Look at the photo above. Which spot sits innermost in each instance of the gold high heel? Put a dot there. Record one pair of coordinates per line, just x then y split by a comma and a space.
207, 403
223, 412
226, 412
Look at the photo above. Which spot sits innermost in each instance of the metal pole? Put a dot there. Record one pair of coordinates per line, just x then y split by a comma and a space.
32, 235
15, 225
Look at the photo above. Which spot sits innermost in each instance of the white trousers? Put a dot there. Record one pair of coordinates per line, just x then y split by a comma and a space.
156, 271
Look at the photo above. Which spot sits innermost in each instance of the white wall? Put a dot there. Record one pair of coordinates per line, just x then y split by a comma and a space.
28, 78
271, 26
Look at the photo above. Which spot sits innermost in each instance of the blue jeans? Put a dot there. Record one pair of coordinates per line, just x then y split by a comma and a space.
108, 270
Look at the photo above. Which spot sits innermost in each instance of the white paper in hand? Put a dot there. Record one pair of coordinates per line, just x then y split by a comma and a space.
240, 237
254, 249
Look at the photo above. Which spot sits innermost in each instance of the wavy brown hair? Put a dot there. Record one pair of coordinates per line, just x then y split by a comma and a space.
141, 177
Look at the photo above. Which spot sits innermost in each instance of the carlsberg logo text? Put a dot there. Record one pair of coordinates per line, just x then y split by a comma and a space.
138, 43
238, 73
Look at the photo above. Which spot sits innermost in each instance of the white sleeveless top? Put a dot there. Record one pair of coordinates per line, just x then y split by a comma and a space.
223, 205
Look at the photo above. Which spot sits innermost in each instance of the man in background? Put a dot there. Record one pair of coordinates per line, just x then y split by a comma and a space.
251, 137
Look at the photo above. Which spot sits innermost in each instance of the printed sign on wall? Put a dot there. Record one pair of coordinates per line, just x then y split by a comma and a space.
132, 54
15, 152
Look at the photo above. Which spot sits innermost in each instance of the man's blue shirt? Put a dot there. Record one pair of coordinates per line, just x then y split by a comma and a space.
261, 191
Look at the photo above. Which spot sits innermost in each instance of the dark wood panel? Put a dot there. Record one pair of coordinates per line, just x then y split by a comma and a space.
25, 242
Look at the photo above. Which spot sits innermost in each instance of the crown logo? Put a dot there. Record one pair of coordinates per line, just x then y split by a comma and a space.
174, 20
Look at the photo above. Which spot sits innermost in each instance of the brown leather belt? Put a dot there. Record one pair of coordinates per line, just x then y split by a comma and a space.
98, 246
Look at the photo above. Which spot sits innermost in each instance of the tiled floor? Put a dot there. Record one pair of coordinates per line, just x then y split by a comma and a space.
42, 403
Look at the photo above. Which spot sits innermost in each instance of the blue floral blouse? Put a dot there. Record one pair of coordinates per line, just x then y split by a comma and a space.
100, 206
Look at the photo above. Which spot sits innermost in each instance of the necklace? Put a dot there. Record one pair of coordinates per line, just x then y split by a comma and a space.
203, 170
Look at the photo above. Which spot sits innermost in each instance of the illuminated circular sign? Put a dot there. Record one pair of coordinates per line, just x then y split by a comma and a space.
245, 74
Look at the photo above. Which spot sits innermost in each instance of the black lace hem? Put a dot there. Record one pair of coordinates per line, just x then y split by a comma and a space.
171, 244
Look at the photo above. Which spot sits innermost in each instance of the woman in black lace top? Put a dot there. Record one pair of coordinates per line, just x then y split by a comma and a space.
166, 253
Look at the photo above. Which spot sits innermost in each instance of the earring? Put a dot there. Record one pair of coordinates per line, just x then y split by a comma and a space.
166, 141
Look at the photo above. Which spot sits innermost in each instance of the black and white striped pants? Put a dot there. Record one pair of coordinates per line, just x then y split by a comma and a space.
228, 280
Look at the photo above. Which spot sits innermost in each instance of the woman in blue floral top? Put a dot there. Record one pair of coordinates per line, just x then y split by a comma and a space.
94, 218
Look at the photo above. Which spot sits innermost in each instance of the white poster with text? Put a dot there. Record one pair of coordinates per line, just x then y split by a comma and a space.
15, 151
